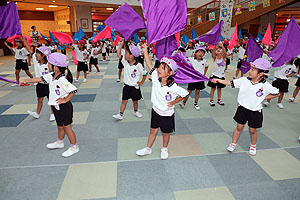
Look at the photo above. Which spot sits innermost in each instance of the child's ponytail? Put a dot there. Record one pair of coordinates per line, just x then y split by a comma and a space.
69, 76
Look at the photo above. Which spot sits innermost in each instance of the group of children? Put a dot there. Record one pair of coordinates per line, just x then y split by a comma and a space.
53, 83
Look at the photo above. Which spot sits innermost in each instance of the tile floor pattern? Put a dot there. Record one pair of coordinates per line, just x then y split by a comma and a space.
199, 166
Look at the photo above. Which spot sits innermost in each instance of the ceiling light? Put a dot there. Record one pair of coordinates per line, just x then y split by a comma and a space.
53, 1
189, 14
39, 8
109, 9
53, 6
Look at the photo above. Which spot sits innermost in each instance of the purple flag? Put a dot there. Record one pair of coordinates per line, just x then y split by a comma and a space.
212, 36
126, 21
253, 52
165, 47
288, 46
164, 18
7, 80
186, 72
9, 21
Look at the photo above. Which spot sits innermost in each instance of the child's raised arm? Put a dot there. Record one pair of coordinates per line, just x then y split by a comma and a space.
147, 57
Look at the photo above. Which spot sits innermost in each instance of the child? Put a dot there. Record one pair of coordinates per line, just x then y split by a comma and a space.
241, 54
295, 93
40, 63
104, 46
254, 89
200, 65
61, 92
163, 97
94, 60
132, 73
120, 65
82, 56
282, 76
190, 48
219, 55
22, 59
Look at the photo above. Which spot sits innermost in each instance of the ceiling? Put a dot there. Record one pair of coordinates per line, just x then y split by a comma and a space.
33, 6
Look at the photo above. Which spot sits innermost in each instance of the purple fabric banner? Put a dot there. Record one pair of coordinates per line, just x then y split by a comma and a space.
9, 21
10, 81
186, 72
164, 18
165, 47
288, 46
213, 36
126, 21
253, 52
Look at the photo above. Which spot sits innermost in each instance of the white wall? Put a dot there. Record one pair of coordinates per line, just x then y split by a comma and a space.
190, 3
84, 12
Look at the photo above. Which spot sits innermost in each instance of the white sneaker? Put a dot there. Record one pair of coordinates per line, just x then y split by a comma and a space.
14, 85
143, 152
84, 80
137, 114
35, 84
299, 138
231, 147
118, 117
76, 80
196, 107
71, 151
265, 104
252, 150
52, 118
182, 105
164, 154
56, 145
279, 105
118, 80
33, 114
292, 99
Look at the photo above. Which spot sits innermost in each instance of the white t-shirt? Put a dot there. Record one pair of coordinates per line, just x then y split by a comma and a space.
219, 68
229, 52
80, 55
104, 48
189, 53
241, 52
162, 94
39, 69
59, 87
199, 65
94, 50
132, 73
281, 72
21, 53
252, 95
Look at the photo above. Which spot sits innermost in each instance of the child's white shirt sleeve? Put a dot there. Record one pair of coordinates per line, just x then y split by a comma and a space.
271, 90
141, 70
68, 87
236, 83
47, 78
25, 51
180, 91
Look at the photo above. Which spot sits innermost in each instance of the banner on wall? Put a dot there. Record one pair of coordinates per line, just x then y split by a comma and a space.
212, 16
226, 16
238, 9
266, 3
251, 5
199, 20
188, 21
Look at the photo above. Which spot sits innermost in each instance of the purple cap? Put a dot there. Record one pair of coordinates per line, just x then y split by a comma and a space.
261, 63
45, 50
200, 48
58, 59
135, 51
172, 64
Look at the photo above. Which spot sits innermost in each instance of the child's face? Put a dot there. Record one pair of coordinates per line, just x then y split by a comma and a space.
18, 45
128, 56
79, 45
219, 49
253, 73
163, 71
199, 54
39, 56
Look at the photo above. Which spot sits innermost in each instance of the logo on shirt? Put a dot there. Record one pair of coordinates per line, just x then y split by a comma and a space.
221, 64
259, 93
168, 97
133, 75
20, 53
288, 71
57, 90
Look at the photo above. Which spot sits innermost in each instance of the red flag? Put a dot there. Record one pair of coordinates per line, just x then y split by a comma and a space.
117, 40
63, 38
105, 33
234, 38
12, 39
267, 40
177, 36
211, 47
74, 58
